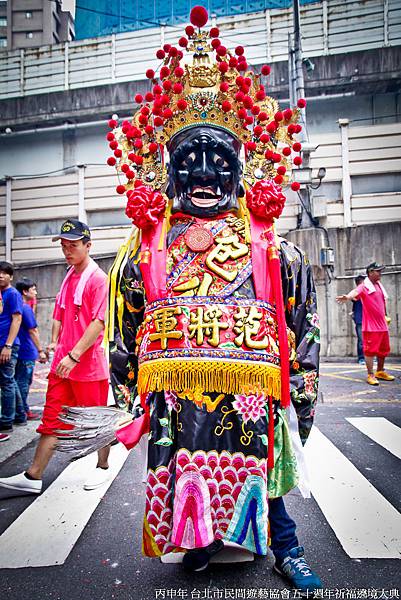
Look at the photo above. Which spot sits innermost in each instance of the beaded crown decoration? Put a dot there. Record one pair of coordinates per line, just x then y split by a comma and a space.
213, 86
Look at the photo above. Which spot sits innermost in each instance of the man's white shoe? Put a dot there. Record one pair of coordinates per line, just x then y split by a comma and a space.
97, 478
21, 485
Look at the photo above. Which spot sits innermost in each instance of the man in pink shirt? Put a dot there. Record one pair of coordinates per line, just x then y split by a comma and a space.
376, 341
79, 370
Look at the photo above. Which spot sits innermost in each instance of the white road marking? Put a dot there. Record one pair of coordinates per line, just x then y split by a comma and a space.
380, 430
365, 523
45, 533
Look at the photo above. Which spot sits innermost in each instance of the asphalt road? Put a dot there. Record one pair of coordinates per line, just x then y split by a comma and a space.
106, 561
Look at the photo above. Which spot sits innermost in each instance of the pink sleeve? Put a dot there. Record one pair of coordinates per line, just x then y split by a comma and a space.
361, 291
57, 310
99, 299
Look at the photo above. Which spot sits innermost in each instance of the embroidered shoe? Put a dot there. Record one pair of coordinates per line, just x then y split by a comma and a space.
297, 571
198, 558
384, 376
371, 380
21, 485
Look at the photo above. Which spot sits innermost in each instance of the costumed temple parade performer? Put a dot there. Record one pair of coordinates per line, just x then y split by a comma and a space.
213, 333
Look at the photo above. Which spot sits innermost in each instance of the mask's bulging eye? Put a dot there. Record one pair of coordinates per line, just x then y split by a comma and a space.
219, 161
188, 160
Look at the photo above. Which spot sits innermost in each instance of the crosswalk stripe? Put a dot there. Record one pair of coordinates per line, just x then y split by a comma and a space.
365, 523
45, 533
381, 431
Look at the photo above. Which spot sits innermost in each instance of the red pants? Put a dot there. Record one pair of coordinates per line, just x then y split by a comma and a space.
376, 343
66, 392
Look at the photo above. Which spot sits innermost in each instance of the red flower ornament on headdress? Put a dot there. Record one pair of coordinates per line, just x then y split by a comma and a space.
144, 206
266, 200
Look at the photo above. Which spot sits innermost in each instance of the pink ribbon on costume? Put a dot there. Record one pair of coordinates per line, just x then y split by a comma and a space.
83, 280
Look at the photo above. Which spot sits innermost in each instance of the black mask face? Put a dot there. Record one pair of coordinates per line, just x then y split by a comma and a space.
204, 172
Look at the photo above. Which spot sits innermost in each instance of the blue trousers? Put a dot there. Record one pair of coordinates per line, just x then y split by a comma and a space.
8, 391
358, 329
23, 380
282, 529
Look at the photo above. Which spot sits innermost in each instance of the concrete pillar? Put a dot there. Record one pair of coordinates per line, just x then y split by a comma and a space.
69, 147
346, 177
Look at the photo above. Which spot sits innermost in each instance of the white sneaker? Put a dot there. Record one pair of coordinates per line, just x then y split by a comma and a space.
21, 484
97, 478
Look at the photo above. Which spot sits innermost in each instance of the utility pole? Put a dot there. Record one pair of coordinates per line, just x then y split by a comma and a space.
297, 91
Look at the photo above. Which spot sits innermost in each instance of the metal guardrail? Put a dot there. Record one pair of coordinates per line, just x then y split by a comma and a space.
328, 27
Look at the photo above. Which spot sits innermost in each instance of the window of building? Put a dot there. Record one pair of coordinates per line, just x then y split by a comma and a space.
3, 22
28, 15
3, 42
29, 35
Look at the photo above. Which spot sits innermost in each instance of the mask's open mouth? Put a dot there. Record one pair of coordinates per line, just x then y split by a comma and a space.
205, 197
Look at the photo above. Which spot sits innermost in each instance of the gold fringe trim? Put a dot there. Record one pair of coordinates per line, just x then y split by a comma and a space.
209, 376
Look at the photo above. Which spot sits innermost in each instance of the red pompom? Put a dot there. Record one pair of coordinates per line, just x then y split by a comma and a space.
112, 123
287, 114
177, 88
264, 138
167, 113
262, 116
260, 95
158, 121
224, 86
215, 43
281, 170
298, 128
124, 168
266, 70
255, 110
143, 119
179, 72
152, 147
278, 116
298, 161
167, 85
157, 90
198, 16
131, 156
286, 151
165, 100
138, 144
110, 136
167, 47
296, 147
189, 30
160, 54
149, 97
248, 102
183, 42
118, 153
265, 199
182, 104
249, 120
120, 189
138, 98
113, 144
164, 72
242, 66
239, 96
221, 50
150, 73
241, 113
145, 206
233, 62
214, 32
130, 174
295, 186
257, 130
223, 67
269, 154
241, 58
111, 161
301, 103
251, 146
149, 129
276, 157
239, 50
291, 128
173, 51
271, 127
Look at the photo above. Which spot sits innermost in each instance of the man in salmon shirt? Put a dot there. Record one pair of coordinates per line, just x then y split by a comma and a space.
376, 341
79, 370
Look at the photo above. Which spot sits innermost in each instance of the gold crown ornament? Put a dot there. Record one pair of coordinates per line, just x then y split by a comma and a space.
213, 86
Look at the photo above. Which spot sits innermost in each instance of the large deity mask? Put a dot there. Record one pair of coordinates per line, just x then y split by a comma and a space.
204, 172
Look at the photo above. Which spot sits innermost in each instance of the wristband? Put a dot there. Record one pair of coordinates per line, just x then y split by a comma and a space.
8, 346
76, 360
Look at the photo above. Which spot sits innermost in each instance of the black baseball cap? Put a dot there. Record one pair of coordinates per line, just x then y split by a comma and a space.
72, 229
374, 266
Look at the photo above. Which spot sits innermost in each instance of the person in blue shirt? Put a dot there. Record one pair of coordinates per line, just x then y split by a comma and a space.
10, 321
30, 349
357, 317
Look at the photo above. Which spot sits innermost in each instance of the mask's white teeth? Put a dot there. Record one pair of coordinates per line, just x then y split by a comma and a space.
218, 191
